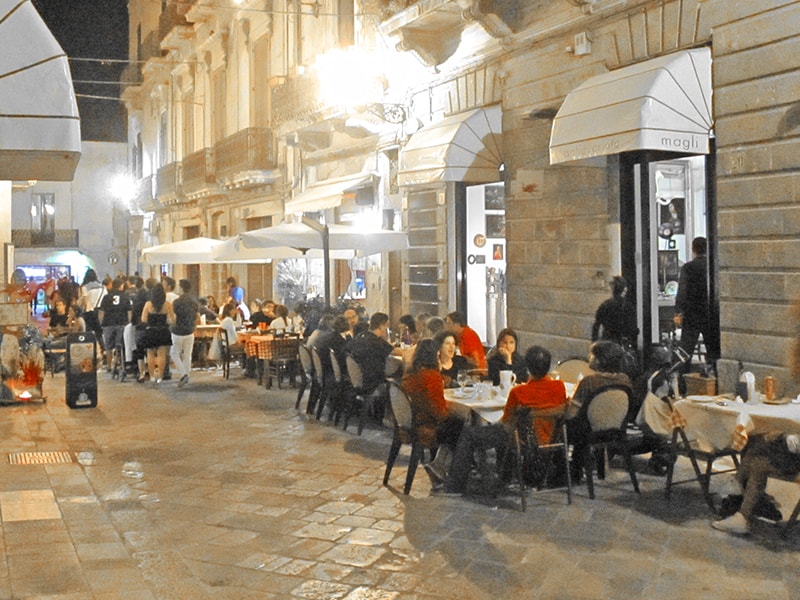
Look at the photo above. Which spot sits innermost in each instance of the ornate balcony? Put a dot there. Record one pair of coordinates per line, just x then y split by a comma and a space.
145, 199
296, 100
246, 159
35, 238
199, 179
168, 183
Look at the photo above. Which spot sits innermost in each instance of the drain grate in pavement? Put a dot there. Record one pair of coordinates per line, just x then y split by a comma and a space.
39, 458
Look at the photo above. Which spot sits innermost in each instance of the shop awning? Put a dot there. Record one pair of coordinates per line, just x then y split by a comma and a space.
40, 136
462, 147
326, 195
660, 104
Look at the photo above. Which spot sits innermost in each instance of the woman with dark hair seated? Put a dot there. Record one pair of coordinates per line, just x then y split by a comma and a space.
504, 357
435, 426
450, 363
605, 359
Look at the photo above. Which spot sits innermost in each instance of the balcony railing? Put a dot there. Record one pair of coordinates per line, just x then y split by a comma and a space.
145, 194
168, 182
35, 238
199, 179
148, 48
243, 158
296, 98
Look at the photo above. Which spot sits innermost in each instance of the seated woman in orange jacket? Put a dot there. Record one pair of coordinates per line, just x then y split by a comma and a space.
425, 388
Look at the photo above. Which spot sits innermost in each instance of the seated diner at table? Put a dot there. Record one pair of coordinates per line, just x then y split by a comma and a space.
605, 359
504, 357
203, 310
58, 319
370, 350
540, 391
773, 454
228, 323
263, 317
435, 424
450, 363
280, 324
469, 342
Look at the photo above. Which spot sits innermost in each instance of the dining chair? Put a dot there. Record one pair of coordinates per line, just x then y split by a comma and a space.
526, 448
681, 445
307, 377
319, 377
357, 400
607, 413
225, 356
404, 433
282, 360
573, 369
336, 399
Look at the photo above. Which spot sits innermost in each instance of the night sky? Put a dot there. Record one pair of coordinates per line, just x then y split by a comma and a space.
96, 29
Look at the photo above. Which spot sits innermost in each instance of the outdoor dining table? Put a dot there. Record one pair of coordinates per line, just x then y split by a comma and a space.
483, 404
257, 345
477, 405
712, 420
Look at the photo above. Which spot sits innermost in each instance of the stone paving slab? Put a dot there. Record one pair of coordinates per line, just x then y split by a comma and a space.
222, 490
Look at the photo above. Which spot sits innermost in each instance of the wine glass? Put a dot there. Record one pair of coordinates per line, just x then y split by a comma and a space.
462, 379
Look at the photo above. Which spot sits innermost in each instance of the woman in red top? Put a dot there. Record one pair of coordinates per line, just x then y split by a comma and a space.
425, 388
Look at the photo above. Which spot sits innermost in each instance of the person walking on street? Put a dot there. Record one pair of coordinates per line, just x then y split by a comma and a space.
615, 319
185, 308
114, 314
157, 316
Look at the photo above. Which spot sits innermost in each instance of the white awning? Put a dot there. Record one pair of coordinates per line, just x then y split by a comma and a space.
40, 136
462, 147
326, 195
660, 104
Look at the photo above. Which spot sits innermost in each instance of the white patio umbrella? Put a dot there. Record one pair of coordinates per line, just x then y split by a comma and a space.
309, 239
185, 252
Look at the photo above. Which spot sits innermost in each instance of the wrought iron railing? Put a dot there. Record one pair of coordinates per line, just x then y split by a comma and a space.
35, 238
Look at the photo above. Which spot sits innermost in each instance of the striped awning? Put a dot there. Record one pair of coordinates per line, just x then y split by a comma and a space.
40, 136
660, 104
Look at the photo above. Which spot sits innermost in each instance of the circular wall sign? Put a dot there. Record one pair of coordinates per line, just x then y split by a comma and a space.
479, 240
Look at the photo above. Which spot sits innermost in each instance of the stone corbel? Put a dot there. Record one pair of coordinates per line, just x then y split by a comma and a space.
432, 47
586, 5
491, 22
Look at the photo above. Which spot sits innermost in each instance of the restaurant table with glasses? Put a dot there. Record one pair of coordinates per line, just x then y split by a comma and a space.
712, 420
483, 403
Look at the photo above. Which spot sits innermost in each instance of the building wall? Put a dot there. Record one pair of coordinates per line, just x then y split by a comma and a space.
87, 204
561, 219
756, 83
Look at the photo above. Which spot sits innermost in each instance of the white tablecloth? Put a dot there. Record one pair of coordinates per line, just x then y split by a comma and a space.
477, 405
713, 420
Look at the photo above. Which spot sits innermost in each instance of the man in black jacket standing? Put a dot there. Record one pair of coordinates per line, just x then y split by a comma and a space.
692, 307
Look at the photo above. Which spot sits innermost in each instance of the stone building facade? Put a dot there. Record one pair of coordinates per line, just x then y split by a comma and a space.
504, 72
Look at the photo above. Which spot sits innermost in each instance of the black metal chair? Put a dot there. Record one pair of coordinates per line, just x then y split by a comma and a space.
526, 447
357, 400
404, 433
307, 378
282, 361
681, 445
607, 413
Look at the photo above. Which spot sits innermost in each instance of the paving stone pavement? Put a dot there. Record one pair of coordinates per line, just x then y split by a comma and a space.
222, 490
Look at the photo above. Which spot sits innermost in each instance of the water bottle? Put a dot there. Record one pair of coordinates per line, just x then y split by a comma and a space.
741, 384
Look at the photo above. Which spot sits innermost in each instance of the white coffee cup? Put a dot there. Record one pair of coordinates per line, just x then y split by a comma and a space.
507, 379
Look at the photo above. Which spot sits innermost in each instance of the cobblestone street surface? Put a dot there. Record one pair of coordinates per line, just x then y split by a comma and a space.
222, 490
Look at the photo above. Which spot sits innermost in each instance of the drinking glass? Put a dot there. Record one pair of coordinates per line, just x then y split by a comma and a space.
462, 379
